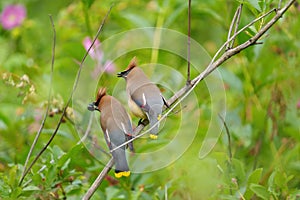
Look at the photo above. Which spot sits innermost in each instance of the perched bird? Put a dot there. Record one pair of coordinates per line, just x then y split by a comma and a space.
144, 97
116, 126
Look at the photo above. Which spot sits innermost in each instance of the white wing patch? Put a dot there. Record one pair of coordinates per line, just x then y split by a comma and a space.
123, 127
144, 100
107, 135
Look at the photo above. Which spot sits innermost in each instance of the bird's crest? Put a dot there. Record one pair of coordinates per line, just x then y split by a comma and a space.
132, 64
100, 94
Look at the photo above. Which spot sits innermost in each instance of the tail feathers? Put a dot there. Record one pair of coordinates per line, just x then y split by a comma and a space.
121, 165
154, 131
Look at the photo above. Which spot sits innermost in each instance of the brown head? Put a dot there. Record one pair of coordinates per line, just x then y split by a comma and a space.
94, 105
132, 64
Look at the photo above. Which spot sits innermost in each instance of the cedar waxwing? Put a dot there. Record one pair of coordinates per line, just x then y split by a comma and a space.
116, 126
145, 100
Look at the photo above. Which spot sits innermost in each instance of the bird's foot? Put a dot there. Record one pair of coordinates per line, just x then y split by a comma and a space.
143, 122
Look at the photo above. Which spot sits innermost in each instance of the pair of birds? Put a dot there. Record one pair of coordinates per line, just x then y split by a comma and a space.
144, 101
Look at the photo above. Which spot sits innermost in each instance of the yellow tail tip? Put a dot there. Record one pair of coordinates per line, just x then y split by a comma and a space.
153, 137
120, 174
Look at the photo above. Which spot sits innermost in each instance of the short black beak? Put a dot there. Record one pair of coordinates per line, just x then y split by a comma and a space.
92, 107
120, 74
123, 73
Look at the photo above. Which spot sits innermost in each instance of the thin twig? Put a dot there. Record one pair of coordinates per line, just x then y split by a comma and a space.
214, 64
70, 98
234, 21
188, 81
48, 103
228, 136
237, 23
232, 37
279, 4
229, 146
98, 180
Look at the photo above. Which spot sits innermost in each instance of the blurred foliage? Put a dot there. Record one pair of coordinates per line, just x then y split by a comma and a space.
262, 99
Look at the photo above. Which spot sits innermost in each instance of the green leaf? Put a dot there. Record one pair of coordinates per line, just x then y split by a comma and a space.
12, 176
66, 164
31, 188
255, 176
17, 191
239, 170
253, 179
71, 154
255, 4
260, 191
4, 187
88, 3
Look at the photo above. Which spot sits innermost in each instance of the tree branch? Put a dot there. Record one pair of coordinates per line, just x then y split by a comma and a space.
98, 180
236, 21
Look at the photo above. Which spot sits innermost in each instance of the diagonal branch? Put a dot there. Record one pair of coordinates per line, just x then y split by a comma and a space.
69, 100
98, 180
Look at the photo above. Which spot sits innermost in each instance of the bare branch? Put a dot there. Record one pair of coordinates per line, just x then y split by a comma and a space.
48, 104
70, 98
228, 41
236, 21
279, 4
214, 64
98, 180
